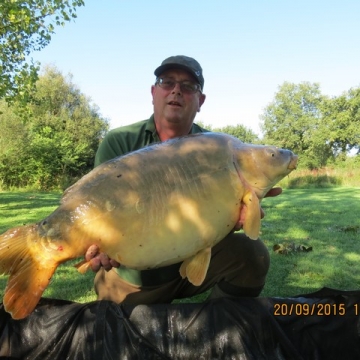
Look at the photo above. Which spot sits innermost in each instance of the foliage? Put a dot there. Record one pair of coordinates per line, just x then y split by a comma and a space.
321, 130
342, 122
292, 121
340, 175
57, 143
239, 131
27, 26
314, 181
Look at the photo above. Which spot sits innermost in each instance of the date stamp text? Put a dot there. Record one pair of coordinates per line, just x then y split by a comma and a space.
318, 309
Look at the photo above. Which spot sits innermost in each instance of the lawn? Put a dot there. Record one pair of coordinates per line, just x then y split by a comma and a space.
326, 220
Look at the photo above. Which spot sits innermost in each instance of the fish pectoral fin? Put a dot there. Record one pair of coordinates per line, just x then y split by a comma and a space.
25, 288
252, 219
195, 268
83, 266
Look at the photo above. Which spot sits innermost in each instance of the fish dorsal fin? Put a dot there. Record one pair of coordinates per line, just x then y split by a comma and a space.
196, 267
251, 224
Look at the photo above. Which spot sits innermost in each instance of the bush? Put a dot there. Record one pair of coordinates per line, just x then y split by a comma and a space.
321, 178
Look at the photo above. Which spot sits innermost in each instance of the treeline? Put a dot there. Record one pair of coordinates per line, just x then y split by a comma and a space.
50, 133
51, 142
322, 130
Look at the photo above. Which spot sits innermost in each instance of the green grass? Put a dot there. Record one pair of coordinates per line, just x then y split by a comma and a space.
326, 219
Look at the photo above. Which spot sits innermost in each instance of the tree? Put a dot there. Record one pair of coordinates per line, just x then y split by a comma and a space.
57, 144
27, 26
241, 132
14, 142
294, 121
342, 119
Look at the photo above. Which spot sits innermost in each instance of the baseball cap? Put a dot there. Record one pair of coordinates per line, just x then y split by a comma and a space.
182, 62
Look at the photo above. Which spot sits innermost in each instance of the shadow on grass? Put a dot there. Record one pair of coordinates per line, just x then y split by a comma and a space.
28, 200
19, 208
326, 220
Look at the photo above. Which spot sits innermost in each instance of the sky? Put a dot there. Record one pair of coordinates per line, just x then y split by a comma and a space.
247, 49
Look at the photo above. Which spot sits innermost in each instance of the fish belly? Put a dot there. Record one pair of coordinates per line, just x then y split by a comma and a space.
155, 208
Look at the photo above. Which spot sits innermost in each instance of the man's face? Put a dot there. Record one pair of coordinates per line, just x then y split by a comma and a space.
176, 106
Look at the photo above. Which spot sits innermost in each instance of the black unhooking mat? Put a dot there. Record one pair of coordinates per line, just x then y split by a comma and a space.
322, 325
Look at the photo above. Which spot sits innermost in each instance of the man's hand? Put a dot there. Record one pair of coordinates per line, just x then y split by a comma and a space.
98, 259
271, 193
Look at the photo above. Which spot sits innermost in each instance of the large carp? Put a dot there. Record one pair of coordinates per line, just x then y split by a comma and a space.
160, 205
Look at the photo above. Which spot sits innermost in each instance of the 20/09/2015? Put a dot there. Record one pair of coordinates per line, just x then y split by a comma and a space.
318, 309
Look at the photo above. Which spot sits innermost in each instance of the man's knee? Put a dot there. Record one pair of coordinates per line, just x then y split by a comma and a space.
252, 253
247, 262
243, 262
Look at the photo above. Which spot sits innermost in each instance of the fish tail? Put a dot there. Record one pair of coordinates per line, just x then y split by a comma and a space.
29, 272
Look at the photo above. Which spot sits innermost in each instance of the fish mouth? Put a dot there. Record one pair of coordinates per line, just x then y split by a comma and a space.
293, 162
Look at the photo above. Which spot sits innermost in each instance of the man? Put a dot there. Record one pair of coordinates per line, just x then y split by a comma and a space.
238, 265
